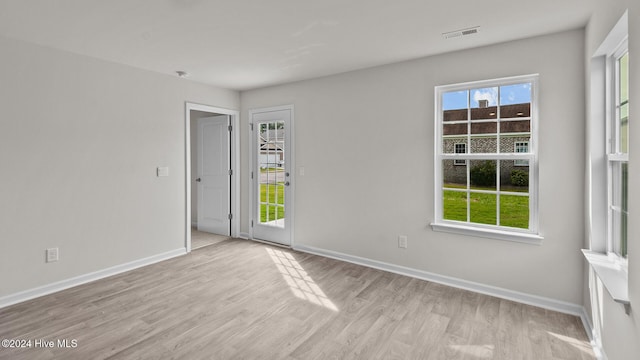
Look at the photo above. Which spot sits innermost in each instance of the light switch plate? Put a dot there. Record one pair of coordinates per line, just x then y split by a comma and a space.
402, 241
52, 255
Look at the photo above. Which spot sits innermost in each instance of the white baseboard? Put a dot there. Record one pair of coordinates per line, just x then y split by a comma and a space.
534, 300
82, 279
539, 301
595, 343
551, 304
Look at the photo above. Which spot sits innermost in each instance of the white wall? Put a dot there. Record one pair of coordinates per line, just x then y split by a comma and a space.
365, 139
80, 140
620, 332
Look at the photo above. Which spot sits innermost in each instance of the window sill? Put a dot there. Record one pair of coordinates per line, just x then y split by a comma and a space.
612, 274
525, 238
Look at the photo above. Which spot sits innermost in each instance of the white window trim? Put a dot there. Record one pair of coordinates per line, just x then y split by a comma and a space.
612, 274
528, 236
613, 155
610, 268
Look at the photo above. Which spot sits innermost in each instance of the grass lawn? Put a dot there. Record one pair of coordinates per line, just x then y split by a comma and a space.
271, 169
271, 202
514, 209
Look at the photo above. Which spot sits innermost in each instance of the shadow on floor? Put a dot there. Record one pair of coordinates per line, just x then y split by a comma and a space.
200, 239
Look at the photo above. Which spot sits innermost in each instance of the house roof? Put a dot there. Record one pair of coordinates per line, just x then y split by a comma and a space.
272, 139
513, 111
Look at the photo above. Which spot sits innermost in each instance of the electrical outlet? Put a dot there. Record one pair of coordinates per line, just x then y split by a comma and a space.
402, 241
52, 255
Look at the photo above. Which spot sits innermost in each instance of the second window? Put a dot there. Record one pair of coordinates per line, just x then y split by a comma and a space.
485, 154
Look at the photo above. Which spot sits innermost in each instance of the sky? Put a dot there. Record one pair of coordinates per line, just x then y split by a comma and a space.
508, 94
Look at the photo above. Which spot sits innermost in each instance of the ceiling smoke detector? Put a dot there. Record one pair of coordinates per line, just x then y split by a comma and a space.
461, 32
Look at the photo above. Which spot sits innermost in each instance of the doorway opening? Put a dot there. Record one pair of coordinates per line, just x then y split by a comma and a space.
211, 175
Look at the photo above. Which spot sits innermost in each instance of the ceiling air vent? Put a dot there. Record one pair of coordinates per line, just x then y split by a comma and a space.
461, 32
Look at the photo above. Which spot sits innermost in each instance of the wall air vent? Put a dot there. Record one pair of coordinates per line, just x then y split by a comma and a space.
461, 32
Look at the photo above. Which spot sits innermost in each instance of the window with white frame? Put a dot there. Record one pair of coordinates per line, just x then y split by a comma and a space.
460, 148
608, 163
618, 149
495, 121
521, 147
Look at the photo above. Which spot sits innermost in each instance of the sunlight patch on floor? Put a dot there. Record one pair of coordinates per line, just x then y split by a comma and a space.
300, 283
583, 346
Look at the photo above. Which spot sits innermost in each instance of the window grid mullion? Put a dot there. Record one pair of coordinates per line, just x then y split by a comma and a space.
501, 157
469, 150
616, 117
498, 171
498, 132
498, 192
275, 172
617, 156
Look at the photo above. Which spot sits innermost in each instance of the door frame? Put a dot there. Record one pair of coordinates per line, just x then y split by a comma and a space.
254, 177
234, 150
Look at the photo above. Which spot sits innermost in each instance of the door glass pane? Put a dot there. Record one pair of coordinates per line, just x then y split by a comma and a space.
271, 175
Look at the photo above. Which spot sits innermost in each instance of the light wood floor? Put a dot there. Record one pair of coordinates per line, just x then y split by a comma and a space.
200, 239
238, 299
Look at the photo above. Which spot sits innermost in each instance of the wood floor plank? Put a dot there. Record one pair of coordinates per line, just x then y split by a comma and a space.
237, 299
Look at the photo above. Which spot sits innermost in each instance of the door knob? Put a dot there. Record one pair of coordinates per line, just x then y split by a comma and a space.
198, 179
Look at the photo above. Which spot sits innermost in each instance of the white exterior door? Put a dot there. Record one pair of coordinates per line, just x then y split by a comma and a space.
271, 174
214, 178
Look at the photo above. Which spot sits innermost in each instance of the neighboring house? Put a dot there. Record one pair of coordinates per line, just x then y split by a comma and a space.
271, 148
514, 129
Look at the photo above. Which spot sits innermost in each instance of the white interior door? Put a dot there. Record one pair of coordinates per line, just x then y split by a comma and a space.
213, 179
271, 174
